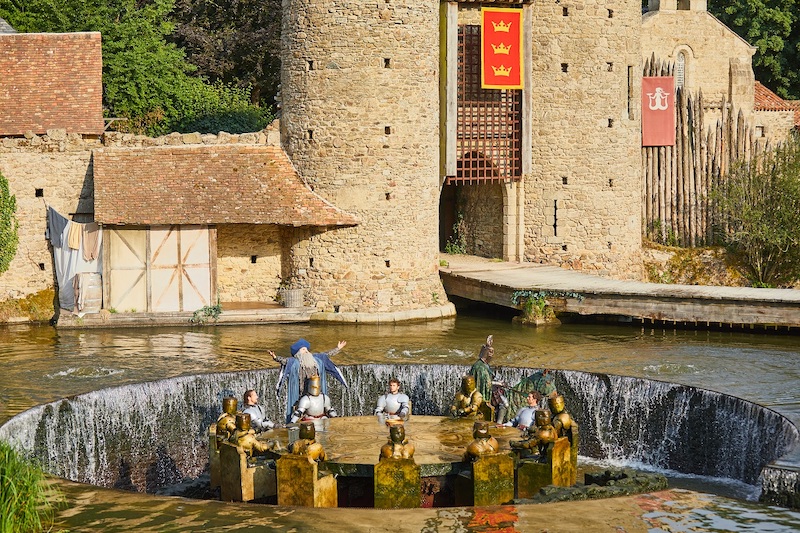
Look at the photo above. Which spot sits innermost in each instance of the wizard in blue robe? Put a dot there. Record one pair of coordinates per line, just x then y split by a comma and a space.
302, 365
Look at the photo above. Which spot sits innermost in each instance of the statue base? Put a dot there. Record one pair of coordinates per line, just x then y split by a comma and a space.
488, 481
397, 484
557, 469
300, 483
241, 480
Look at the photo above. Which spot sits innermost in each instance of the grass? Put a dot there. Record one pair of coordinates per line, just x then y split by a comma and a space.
26, 499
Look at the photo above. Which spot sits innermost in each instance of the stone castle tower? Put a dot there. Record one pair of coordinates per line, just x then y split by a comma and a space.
370, 104
360, 121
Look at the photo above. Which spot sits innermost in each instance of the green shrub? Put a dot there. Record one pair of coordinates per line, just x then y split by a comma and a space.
26, 501
9, 226
758, 209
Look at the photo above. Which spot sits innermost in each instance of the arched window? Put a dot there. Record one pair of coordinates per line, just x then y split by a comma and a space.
680, 70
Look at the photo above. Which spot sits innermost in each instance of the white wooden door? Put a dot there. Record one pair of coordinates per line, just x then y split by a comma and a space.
160, 269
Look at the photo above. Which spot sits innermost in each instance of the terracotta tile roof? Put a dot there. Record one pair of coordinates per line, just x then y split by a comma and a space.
214, 184
766, 100
795, 104
51, 81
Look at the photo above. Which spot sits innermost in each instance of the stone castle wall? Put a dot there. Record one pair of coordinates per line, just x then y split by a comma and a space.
360, 121
583, 198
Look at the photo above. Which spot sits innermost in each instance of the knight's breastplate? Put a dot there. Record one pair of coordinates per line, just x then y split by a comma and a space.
315, 405
393, 403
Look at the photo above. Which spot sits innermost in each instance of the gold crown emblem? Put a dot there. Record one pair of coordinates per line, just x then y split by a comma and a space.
501, 26
501, 49
502, 70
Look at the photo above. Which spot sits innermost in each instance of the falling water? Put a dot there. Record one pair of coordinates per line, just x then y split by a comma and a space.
147, 436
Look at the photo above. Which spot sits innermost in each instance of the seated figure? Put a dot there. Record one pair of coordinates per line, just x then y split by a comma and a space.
539, 436
526, 415
483, 444
258, 419
226, 422
307, 443
563, 422
398, 446
468, 400
245, 438
313, 404
394, 404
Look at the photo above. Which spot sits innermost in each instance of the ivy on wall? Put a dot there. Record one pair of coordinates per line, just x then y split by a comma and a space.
9, 226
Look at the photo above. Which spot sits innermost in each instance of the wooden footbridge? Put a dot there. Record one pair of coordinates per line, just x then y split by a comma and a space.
599, 298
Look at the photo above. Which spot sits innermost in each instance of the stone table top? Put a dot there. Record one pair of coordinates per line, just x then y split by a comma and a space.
353, 443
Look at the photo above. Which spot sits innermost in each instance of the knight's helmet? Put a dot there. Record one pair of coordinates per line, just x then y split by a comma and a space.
229, 405
481, 430
556, 404
307, 430
313, 386
243, 421
397, 433
542, 418
468, 384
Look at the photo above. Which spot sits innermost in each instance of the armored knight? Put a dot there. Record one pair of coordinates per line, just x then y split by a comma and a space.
394, 404
538, 437
226, 422
245, 437
563, 422
307, 444
313, 404
398, 446
468, 400
483, 444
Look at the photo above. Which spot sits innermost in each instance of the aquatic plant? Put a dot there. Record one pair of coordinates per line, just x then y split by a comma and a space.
26, 499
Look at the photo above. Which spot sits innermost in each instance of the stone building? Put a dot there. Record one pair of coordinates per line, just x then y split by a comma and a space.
388, 150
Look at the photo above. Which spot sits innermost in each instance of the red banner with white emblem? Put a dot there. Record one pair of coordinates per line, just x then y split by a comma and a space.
658, 111
501, 48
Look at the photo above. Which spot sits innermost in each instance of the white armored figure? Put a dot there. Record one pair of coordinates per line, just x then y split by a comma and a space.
313, 404
394, 404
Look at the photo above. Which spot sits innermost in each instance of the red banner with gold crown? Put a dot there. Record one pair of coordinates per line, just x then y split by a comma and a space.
501, 48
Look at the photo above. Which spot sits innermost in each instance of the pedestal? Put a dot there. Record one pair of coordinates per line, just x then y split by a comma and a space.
488, 481
397, 484
557, 469
241, 481
213, 457
300, 483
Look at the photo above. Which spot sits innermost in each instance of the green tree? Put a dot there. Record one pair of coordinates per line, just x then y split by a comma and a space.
772, 27
759, 214
235, 42
146, 78
9, 226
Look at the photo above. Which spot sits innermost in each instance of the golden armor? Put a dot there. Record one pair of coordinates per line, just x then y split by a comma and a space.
307, 443
538, 437
468, 399
483, 444
226, 422
398, 446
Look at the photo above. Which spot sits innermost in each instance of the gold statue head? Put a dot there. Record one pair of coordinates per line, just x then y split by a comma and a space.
313, 386
242, 421
468, 385
397, 433
556, 404
229, 405
308, 431
542, 417
481, 430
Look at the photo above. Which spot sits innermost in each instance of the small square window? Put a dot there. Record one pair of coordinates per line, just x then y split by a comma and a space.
39, 193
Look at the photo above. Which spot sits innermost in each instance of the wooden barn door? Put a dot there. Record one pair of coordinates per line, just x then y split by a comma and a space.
161, 269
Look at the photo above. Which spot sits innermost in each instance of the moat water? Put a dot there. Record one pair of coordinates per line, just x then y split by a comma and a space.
42, 365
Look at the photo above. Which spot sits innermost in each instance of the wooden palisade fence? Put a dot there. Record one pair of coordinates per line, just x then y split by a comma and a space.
678, 180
